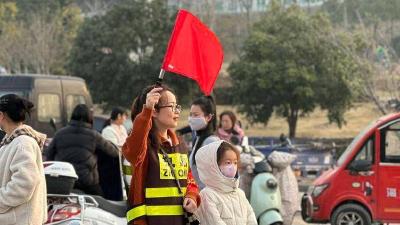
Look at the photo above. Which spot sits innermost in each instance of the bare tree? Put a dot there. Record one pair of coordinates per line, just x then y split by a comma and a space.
39, 45
96, 7
247, 5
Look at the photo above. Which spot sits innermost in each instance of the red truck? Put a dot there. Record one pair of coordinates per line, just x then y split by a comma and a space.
364, 185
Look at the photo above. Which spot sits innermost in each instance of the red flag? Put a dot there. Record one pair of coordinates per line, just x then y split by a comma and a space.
194, 51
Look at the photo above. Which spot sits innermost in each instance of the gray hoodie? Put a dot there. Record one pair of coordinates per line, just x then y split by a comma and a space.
223, 203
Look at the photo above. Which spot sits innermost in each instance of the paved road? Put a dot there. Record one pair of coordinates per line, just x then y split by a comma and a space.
297, 219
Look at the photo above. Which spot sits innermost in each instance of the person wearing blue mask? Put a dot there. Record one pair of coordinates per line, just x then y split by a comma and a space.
203, 122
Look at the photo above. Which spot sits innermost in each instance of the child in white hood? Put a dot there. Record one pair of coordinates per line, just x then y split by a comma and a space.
223, 203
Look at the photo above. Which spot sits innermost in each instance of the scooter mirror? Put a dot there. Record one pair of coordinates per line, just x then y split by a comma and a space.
272, 184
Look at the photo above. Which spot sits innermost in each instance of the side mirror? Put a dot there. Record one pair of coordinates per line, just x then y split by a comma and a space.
361, 166
53, 124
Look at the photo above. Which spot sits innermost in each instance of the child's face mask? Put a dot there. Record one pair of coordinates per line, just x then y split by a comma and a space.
229, 170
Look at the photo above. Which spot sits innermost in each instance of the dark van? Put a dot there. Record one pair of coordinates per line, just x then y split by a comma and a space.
54, 97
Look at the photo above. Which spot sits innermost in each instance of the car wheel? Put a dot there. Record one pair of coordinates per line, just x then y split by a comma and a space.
351, 214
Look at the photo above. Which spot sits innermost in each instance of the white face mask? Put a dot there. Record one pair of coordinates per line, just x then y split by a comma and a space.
228, 170
197, 123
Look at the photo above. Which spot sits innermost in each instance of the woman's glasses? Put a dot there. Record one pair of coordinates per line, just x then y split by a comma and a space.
175, 108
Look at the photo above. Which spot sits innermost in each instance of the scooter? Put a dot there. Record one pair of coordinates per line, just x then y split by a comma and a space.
265, 197
73, 207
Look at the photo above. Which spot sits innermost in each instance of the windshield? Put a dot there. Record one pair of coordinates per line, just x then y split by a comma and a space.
19, 93
349, 148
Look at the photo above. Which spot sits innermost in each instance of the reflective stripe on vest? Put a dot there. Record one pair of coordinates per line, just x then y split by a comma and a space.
160, 210
165, 192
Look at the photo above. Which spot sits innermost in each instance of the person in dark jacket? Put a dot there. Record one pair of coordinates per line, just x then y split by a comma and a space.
78, 144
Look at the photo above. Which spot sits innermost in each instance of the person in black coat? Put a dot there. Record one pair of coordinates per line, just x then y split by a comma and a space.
78, 144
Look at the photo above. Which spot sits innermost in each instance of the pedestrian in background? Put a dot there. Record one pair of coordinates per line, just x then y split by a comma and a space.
203, 121
229, 128
22, 181
78, 143
223, 202
110, 167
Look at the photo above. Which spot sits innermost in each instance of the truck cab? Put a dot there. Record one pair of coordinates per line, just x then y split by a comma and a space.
364, 185
54, 98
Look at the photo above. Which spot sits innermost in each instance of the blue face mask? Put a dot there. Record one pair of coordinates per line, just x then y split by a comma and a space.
197, 123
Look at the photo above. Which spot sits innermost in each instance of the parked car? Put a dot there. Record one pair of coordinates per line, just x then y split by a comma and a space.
364, 185
54, 97
311, 162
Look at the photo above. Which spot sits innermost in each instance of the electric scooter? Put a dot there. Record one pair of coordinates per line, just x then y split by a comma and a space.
265, 197
73, 207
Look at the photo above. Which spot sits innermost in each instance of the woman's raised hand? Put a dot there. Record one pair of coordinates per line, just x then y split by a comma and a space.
153, 97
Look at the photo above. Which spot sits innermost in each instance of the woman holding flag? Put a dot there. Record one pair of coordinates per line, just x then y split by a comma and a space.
162, 185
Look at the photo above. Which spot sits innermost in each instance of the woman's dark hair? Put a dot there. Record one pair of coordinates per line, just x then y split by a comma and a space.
232, 116
82, 113
207, 105
15, 107
115, 112
137, 108
224, 147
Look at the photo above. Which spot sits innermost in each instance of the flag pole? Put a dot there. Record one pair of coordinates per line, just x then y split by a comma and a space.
160, 78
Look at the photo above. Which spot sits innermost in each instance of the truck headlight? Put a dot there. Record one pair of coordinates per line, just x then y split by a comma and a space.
272, 184
319, 189
327, 159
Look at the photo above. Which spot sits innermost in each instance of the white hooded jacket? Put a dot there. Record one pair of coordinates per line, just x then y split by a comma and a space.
22, 180
223, 203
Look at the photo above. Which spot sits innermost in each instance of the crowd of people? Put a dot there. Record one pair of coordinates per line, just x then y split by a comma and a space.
170, 184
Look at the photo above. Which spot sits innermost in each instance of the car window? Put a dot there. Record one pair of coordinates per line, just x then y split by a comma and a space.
49, 107
390, 146
349, 148
71, 101
366, 152
19, 93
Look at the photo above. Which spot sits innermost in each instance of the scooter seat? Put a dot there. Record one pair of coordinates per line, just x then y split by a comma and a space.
262, 167
118, 208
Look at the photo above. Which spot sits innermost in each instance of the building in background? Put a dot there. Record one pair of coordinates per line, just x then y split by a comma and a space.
239, 6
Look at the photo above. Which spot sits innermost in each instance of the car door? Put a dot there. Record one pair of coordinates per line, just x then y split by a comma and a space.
363, 183
389, 173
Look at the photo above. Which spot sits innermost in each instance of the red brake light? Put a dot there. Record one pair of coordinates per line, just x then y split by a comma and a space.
47, 164
63, 213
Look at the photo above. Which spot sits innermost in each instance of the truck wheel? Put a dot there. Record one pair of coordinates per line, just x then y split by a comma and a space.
351, 214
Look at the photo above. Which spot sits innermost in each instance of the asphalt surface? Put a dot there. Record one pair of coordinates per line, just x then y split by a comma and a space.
297, 218
304, 183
